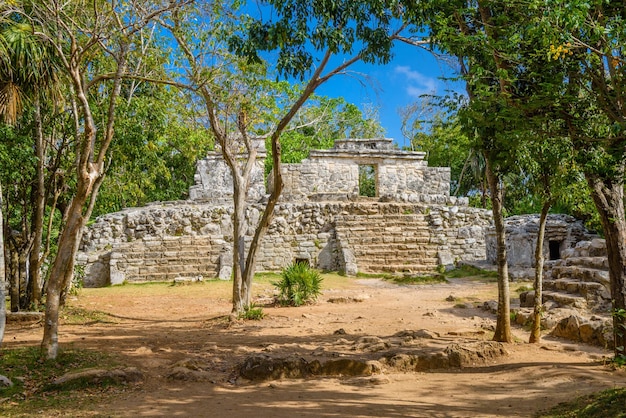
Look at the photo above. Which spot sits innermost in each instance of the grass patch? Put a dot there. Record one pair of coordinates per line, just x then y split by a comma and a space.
608, 403
31, 393
471, 271
427, 279
73, 315
523, 288
252, 313
405, 279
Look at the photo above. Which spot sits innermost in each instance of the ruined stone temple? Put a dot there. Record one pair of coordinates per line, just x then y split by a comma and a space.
363, 206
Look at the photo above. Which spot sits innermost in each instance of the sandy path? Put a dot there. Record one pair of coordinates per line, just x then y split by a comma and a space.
153, 337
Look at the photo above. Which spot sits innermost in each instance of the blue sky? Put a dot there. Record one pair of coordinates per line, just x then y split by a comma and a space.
411, 73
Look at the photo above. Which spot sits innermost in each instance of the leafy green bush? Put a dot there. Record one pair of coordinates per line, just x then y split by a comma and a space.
252, 312
299, 284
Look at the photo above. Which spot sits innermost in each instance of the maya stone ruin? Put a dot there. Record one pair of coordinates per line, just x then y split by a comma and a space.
363, 206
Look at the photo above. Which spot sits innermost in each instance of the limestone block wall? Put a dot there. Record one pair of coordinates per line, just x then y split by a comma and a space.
190, 239
213, 180
334, 174
563, 232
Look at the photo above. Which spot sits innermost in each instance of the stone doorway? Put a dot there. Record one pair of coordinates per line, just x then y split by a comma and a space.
555, 250
367, 180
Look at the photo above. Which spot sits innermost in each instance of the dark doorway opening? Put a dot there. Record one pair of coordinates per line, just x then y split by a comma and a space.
304, 261
555, 250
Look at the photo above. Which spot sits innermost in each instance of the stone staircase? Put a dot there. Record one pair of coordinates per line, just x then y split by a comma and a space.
580, 282
389, 243
576, 296
165, 259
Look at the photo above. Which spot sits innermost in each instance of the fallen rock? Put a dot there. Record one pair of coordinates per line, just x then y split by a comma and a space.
491, 306
24, 316
596, 331
420, 333
263, 368
470, 354
5, 382
453, 356
98, 376
349, 367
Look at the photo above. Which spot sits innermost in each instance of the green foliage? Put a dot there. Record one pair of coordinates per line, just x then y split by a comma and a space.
367, 180
154, 156
297, 29
318, 124
252, 312
299, 285
608, 403
421, 279
471, 271
32, 377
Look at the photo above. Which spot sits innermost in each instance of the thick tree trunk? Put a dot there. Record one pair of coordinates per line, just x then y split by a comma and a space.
34, 283
3, 309
535, 332
503, 324
608, 196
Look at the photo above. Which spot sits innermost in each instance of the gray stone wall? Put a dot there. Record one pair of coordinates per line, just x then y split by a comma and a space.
190, 239
334, 174
412, 225
214, 183
521, 237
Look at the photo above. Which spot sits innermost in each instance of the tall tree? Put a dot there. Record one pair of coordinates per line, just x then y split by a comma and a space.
3, 309
305, 38
78, 32
587, 40
29, 75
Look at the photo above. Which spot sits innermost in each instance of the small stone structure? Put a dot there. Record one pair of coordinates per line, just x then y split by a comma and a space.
409, 224
334, 174
563, 232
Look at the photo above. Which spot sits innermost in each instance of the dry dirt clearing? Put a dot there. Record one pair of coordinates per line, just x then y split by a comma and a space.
179, 338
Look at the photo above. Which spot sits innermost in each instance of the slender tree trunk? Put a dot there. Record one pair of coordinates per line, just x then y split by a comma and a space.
63, 265
241, 298
3, 309
503, 323
14, 276
34, 283
608, 196
535, 332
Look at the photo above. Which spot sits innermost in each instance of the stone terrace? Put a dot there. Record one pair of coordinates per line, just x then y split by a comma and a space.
411, 225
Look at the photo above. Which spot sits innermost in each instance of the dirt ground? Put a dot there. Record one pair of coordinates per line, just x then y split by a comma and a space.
157, 332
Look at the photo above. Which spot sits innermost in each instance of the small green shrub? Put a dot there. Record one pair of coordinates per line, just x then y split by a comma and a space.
299, 284
252, 312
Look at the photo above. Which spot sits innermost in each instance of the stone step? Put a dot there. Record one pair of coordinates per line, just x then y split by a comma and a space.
565, 299
586, 274
357, 225
368, 230
600, 263
368, 253
577, 287
397, 268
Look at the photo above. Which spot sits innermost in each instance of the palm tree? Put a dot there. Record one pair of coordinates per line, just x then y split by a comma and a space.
28, 75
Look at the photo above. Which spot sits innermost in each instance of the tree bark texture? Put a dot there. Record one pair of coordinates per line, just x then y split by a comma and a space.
608, 196
503, 324
535, 331
3, 309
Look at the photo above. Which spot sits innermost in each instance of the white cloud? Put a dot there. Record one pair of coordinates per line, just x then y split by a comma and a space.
417, 83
